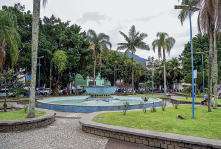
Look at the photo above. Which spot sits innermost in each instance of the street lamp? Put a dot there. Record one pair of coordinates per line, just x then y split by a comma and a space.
151, 60
202, 53
39, 75
146, 81
191, 7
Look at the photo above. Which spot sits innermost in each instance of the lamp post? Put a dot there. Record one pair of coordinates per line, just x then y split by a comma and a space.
190, 7
146, 81
151, 59
202, 53
39, 75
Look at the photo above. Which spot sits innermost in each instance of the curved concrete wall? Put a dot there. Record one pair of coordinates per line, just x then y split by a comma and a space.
88, 109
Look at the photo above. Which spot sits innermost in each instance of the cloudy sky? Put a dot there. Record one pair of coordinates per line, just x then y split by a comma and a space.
110, 17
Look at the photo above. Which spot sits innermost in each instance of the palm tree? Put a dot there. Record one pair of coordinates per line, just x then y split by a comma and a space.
98, 43
209, 20
34, 53
9, 38
132, 42
174, 69
166, 43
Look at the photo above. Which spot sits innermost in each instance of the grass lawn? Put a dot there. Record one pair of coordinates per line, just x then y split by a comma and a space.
15, 115
206, 124
201, 94
1, 104
148, 95
197, 99
15, 98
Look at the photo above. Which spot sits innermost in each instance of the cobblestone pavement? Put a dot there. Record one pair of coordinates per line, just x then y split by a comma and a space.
65, 132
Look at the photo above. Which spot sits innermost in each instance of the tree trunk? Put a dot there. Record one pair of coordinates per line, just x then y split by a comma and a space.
34, 52
164, 73
94, 72
50, 81
215, 73
211, 62
132, 72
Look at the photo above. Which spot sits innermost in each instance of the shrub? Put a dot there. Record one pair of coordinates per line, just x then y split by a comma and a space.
25, 108
126, 105
163, 105
176, 104
153, 109
142, 106
187, 90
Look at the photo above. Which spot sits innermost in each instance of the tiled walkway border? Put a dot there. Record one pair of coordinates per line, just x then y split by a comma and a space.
146, 137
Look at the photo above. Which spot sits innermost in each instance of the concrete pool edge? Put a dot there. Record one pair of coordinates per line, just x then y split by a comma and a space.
92, 108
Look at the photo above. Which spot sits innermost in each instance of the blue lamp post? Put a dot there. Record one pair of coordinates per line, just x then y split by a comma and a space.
202, 53
39, 75
190, 7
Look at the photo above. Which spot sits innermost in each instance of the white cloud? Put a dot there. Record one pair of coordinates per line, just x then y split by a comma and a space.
110, 17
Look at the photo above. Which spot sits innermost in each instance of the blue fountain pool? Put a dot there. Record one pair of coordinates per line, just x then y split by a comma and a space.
81, 104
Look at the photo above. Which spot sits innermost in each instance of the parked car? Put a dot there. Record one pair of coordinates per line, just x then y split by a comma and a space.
45, 91
3, 93
80, 91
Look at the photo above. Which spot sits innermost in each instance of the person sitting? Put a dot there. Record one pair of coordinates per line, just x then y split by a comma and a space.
212, 100
204, 102
168, 94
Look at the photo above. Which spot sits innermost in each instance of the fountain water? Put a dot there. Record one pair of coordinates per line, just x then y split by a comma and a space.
100, 100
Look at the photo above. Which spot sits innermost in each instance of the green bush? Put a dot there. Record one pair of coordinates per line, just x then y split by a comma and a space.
187, 90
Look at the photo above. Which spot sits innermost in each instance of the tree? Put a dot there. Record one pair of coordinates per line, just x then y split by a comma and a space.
98, 42
9, 38
165, 43
34, 51
59, 61
199, 79
174, 67
209, 19
133, 41
200, 44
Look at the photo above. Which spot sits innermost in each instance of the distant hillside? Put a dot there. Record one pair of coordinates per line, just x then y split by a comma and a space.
136, 58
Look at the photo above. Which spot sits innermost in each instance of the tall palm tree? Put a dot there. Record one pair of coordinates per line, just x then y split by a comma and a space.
9, 38
174, 69
34, 53
132, 42
209, 20
165, 43
98, 43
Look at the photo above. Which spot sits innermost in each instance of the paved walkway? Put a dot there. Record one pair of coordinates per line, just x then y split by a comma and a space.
65, 132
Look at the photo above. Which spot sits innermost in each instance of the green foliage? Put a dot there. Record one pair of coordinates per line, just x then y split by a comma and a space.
187, 90
9, 38
199, 79
126, 105
60, 60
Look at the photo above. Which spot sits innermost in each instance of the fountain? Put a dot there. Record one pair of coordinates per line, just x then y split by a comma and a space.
100, 99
